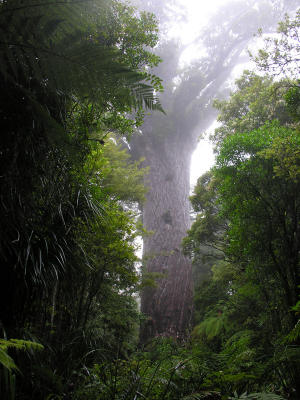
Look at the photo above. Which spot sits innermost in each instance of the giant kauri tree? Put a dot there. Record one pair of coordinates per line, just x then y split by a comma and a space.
167, 142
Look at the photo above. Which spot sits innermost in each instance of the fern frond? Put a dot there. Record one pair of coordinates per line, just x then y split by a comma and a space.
18, 345
294, 334
211, 327
257, 396
6, 361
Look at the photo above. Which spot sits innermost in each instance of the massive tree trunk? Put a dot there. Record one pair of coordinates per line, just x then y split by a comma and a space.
167, 144
166, 214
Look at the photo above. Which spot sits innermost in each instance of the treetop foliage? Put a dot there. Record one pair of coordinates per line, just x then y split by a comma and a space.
257, 99
280, 56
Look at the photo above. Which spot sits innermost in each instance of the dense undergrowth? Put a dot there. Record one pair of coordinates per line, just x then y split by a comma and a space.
167, 370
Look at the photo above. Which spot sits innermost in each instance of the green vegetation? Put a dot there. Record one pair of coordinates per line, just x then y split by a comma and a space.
75, 83
247, 231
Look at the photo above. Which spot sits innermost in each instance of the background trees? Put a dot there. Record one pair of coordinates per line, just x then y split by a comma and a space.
245, 308
250, 310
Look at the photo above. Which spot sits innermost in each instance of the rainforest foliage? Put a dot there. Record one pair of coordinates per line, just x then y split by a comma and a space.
75, 84
246, 233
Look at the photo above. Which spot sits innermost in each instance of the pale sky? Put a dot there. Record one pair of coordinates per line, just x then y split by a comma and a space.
198, 13
203, 158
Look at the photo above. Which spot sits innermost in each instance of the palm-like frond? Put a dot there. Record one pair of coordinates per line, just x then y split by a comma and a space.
257, 396
201, 396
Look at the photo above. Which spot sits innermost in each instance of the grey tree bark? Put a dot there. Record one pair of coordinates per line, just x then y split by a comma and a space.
166, 214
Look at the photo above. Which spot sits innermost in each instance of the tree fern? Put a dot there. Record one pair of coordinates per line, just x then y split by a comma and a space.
211, 327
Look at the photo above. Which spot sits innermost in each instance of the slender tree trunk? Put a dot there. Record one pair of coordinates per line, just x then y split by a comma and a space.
53, 310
